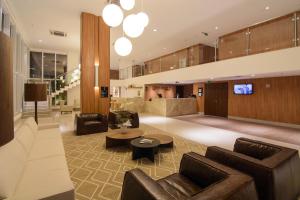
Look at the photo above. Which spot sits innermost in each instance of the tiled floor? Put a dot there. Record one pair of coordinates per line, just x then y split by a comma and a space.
283, 134
206, 135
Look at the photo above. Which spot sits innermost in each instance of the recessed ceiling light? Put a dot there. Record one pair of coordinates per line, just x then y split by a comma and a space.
211, 78
164, 48
216, 27
252, 75
267, 8
40, 41
155, 30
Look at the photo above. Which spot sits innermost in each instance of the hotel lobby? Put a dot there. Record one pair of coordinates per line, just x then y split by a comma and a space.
150, 100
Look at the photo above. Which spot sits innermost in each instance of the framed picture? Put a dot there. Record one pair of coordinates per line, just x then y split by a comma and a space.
200, 92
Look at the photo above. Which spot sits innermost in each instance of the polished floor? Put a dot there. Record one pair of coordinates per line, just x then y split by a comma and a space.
283, 134
202, 134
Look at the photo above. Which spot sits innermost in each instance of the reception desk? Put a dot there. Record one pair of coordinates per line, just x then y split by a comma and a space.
172, 107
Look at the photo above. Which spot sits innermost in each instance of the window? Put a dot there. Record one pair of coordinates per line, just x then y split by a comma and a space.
49, 65
36, 61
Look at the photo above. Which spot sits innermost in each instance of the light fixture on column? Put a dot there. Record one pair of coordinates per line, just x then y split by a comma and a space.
112, 15
96, 75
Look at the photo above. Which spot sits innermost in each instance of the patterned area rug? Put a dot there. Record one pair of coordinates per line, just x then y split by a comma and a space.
97, 173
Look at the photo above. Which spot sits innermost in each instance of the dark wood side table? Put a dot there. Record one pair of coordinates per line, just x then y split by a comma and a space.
147, 150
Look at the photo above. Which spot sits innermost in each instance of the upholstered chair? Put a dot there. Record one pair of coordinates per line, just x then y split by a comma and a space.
275, 169
199, 178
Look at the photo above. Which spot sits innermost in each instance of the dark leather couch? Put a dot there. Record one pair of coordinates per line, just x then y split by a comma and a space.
275, 169
117, 117
198, 178
90, 123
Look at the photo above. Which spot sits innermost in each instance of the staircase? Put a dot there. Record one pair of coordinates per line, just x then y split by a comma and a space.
70, 80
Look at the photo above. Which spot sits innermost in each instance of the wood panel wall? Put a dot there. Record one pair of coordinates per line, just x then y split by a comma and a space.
298, 28
95, 50
274, 99
200, 100
6, 91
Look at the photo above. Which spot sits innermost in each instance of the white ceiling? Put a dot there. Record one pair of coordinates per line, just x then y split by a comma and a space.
179, 23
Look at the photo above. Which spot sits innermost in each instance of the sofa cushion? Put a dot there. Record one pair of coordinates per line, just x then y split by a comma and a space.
43, 148
179, 186
26, 137
13, 158
45, 178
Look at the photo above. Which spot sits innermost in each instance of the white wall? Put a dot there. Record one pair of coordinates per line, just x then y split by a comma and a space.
73, 62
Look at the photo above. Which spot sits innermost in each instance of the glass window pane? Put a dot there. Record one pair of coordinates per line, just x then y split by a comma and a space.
61, 64
233, 45
49, 66
193, 55
35, 65
169, 62
263, 37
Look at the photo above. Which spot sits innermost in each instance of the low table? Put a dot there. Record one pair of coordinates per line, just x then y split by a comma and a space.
148, 150
122, 137
165, 140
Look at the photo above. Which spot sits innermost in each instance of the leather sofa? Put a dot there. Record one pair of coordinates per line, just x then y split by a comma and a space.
118, 117
198, 178
90, 123
33, 165
275, 169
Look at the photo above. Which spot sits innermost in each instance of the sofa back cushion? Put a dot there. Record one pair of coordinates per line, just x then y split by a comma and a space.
12, 158
26, 137
199, 172
255, 149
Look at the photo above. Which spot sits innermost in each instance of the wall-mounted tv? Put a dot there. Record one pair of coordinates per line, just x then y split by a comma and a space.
243, 89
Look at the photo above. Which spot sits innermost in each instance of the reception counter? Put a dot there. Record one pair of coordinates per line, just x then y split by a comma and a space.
172, 107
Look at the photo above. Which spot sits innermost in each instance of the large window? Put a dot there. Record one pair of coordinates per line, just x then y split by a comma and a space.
51, 68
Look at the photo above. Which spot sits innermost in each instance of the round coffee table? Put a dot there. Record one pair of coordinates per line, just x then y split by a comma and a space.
165, 140
122, 137
147, 150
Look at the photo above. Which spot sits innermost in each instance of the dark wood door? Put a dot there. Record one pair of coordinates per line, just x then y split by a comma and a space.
216, 99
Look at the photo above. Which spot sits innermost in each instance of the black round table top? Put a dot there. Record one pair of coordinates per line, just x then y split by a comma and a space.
137, 143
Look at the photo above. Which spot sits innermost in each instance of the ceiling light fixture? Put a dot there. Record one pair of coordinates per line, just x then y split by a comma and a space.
123, 46
127, 4
217, 28
155, 30
132, 26
267, 8
40, 41
143, 18
112, 15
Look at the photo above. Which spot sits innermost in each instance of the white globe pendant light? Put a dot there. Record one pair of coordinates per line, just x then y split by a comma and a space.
123, 46
143, 18
132, 26
112, 15
127, 4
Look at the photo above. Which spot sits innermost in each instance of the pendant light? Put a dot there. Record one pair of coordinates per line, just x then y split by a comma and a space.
123, 46
112, 15
127, 4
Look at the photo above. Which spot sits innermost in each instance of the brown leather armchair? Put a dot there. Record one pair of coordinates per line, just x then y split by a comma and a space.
90, 123
275, 169
199, 178
116, 117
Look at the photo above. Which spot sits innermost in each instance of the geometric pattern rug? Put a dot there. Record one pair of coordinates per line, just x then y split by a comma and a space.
97, 173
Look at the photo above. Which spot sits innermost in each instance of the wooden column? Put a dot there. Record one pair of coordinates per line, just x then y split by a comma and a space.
6, 91
95, 50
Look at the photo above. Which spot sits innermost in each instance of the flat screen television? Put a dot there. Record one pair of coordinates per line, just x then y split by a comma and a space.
243, 89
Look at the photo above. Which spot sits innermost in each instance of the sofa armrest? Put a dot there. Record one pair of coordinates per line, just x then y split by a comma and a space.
138, 185
235, 187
